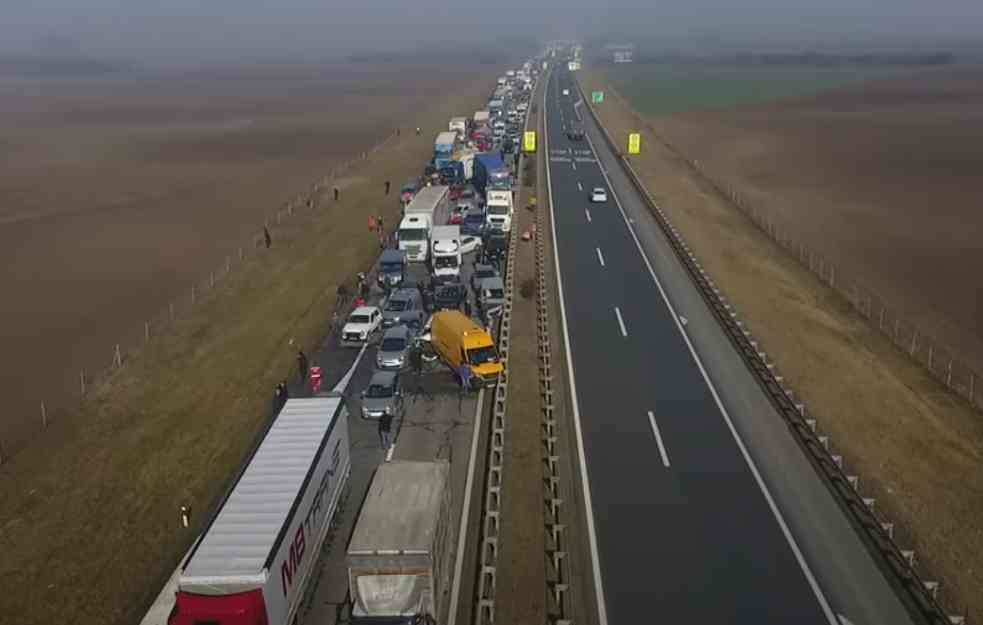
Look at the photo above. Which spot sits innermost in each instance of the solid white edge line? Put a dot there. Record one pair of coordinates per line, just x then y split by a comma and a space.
587, 212
658, 440
602, 610
810, 578
462, 533
600, 257
580, 187
621, 322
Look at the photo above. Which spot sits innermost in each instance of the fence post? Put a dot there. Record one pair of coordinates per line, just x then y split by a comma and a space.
914, 341
117, 357
170, 308
146, 331
228, 264
832, 276
880, 325
948, 375
972, 388
82, 381
897, 324
44, 415
211, 280
931, 352
192, 295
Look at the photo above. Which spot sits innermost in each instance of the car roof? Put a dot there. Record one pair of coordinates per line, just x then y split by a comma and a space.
483, 267
389, 255
403, 294
382, 378
365, 310
494, 282
396, 332
596, 189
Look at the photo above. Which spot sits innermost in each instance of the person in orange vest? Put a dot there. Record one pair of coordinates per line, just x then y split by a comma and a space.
316, 379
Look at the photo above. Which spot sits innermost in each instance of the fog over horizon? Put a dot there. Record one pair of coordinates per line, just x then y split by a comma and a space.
226, 31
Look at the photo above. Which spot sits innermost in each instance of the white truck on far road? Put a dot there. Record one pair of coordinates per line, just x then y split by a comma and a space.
499, 210
459, 125
446, 248
399, 557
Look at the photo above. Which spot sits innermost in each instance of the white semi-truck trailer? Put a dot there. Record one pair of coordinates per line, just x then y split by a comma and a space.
253, 562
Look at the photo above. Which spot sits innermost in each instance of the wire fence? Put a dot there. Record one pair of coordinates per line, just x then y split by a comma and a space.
943, 362
118, 354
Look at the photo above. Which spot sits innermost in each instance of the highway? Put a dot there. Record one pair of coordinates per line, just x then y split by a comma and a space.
701, 507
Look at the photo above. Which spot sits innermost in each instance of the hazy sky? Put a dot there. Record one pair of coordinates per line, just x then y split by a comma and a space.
224, 29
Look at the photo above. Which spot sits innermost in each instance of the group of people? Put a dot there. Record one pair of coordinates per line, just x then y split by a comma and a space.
280, 397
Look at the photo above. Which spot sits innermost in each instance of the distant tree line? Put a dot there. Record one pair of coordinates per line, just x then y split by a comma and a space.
806, 59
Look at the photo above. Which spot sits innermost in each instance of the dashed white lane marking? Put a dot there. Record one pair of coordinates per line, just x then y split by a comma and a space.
621, 322
658, 440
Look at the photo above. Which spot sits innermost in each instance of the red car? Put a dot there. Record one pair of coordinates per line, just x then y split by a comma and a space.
455, 193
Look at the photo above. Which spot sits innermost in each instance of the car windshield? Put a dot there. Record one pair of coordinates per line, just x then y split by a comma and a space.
445, 262
498, 210
413, 234
481, 355
598, 191
358, 319
485, 273
496, 293
378, 391
391, 267
396, 305
474, 218
393, 344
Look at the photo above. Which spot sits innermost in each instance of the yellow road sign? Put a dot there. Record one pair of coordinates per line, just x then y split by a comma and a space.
529, 141
634, 143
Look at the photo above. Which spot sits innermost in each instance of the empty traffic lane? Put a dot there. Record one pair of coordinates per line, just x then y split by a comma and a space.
684, 530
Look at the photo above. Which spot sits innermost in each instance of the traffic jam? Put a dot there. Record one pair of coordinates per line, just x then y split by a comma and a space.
424, 329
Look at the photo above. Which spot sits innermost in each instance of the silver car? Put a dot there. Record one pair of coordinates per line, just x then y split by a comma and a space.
491, 295
382, 396
394, 348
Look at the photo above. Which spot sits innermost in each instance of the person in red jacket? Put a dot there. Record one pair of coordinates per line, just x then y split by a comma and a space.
315, 379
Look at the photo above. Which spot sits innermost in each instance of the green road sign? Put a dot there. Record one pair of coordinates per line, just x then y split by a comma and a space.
596, 97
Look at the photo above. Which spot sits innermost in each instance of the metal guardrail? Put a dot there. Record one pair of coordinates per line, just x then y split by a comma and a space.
558, 605
922, 595
484, 602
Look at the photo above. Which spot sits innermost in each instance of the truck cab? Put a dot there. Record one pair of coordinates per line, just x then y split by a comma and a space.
414, 237
446, 249
499, 210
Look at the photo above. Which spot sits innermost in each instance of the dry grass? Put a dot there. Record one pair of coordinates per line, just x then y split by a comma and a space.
89, 526
917, 449
119, 192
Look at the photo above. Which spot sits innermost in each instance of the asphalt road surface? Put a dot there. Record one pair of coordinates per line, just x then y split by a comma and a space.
702, 507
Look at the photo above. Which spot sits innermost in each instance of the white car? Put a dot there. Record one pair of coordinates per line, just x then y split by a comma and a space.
598, 195
566, 92
361, 324
470, 244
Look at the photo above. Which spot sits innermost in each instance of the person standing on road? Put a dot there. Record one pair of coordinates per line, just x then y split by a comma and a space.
284, 394
267, 237
467, 305
302, 366
385, 431
315, 379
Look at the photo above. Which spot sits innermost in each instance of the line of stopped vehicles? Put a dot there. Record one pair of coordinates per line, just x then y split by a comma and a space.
438, 292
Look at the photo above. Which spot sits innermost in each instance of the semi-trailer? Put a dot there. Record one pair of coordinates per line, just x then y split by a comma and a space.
398, 558
428, 207
253, 562
490, 171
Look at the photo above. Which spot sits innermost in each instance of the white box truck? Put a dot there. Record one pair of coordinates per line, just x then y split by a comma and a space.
459, 125
399, 557
500, 210
253, 562
446, 248
428, 207
481, 118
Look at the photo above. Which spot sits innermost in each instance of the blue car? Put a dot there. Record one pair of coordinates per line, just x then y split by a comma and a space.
474, 223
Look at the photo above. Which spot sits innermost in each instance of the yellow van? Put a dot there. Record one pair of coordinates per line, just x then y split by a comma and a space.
457, 338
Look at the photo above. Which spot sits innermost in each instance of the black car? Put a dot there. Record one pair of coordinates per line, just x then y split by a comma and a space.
449, 296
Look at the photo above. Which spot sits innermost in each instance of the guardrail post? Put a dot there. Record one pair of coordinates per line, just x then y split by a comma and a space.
44, 415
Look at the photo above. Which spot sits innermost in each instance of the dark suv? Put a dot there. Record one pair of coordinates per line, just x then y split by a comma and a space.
449, 295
